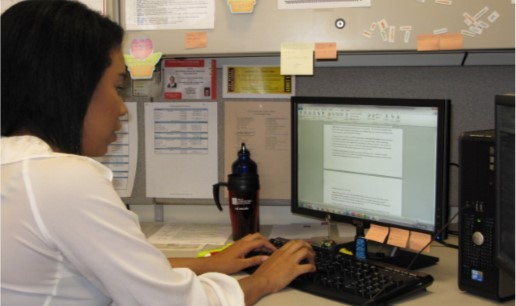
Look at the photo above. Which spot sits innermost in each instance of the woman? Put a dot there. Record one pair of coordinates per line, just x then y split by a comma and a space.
67, 238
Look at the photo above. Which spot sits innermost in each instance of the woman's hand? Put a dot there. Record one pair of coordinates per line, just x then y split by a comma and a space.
296, 257
233, 259
230, 260
275, 272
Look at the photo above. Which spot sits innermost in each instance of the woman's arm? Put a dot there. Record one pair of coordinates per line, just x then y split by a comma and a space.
230, 260
275, 272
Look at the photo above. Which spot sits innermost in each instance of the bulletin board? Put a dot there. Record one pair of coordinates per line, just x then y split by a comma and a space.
267, 27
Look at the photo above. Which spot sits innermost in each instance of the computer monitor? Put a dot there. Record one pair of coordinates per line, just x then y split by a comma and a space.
369, 161
504, 194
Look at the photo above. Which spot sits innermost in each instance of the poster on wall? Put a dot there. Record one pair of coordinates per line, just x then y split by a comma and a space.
189, 79
180, 149
169, 15
253, 81
122, 155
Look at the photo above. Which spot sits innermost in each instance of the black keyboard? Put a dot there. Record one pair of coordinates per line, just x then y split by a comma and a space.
346, 279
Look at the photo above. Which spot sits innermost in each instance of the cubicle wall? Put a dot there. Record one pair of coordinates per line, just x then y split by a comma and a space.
471, 90
366, 66
263, 31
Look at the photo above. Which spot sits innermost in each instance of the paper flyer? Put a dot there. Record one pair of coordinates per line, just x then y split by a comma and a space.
169, 15
122, 154
249, 81
189, 79
181, 149
264, 126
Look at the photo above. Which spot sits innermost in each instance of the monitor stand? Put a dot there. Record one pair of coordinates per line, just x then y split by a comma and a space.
390, 254
393, 255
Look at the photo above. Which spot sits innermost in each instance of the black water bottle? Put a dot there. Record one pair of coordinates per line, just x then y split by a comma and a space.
243, 188
244, 164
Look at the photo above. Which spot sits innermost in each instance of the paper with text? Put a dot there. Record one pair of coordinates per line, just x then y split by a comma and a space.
181, 149
254, 81
164, 14
297, 58
122, 154
191, 234
265, 129
189, 79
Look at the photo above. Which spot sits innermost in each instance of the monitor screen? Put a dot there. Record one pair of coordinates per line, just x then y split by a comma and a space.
371, 160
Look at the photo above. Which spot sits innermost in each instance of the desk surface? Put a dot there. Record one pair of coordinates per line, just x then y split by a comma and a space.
443, 291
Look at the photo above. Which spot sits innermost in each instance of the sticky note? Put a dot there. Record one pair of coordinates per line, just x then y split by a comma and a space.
398, 237
377, 233
195, 40
427, 42
451, 41
297, 59
418, 241
326, 50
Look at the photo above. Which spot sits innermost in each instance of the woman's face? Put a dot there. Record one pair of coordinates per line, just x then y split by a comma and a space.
106, 106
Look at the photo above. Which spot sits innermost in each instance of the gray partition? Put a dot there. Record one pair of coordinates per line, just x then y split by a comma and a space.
471, 90
263, 31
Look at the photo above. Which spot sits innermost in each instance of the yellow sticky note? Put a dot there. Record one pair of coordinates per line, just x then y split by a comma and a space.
398, 237
297, 59
418, 241
326, 50
195, 40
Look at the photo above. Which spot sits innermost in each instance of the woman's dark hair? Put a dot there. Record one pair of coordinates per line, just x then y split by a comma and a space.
53, 56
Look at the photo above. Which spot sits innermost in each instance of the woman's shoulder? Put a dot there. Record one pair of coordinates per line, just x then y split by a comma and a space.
75, 164
16, 149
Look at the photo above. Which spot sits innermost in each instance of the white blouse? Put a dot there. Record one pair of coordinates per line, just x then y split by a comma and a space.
68, 239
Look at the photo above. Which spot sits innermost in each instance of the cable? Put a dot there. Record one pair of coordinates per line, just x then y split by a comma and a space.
455, 164
449, 245
437, 234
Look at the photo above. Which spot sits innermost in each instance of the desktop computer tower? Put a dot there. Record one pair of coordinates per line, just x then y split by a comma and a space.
478, 270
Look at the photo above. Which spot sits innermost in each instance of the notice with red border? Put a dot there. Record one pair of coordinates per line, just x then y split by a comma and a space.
189, 79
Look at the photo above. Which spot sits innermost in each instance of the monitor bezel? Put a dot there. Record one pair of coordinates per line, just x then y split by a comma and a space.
442, 166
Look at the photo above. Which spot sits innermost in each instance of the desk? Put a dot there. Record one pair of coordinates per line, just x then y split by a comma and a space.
443, 292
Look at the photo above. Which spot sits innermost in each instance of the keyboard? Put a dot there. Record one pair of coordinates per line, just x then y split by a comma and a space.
346, 279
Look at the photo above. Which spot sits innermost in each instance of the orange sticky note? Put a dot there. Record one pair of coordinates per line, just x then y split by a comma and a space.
451, 41
428, 42
377, 233
398, 237
326, 50
195, 40
418, 241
